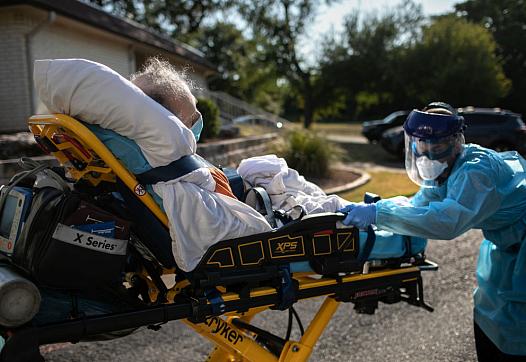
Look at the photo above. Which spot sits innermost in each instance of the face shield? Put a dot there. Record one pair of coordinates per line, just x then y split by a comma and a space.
432, 143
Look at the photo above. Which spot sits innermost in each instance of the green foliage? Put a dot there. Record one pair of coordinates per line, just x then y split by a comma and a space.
369, 53
381, 62
172, 17
456, 62
210, 113
308, 153
506, 20
281, 23
243, 71
392, 62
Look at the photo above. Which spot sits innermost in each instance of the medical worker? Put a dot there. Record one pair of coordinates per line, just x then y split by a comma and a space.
463, 187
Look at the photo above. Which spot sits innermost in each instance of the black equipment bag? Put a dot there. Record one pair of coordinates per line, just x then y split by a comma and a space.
69, 243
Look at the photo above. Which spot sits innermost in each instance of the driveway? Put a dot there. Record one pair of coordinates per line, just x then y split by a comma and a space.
395, 333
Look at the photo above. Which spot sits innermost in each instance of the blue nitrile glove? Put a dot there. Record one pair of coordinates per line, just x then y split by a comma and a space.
359, 214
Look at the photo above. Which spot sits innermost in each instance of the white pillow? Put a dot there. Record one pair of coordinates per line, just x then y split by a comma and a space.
95, 94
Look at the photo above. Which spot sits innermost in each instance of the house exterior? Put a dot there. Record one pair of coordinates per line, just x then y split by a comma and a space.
44, 29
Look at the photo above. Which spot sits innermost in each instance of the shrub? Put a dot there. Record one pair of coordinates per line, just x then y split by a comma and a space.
210, 113
308, 153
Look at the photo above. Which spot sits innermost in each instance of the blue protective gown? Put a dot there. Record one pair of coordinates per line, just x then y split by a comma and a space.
486, 190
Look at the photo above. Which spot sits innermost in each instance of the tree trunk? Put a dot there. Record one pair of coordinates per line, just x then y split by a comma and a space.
308, 112
308, 103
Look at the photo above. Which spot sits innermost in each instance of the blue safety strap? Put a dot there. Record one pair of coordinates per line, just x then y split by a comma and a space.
408, 246
235, 181
369, 198
172, 171
264, 201
184, 166
287, 291
369, 243
216, 300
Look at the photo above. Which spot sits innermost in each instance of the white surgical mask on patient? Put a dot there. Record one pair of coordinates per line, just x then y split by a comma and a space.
430, 169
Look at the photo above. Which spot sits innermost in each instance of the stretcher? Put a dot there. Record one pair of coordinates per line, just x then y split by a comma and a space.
235, 280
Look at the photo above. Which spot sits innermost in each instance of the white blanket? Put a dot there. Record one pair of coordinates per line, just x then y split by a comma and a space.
94, 93
285, 186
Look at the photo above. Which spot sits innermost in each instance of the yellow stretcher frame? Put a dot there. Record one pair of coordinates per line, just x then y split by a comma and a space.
236, 344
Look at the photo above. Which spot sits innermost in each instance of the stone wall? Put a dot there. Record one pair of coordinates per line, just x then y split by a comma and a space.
231, 152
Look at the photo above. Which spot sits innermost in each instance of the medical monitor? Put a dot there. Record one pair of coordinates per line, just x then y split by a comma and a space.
13, 216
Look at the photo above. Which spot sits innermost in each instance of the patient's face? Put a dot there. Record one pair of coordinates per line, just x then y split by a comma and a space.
185, 108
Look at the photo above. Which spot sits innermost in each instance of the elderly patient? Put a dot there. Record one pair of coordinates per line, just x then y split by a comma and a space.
152, 121
143, 134
287, 189
160, 81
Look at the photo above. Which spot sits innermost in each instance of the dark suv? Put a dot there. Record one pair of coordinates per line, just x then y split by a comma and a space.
373, 130
494, 128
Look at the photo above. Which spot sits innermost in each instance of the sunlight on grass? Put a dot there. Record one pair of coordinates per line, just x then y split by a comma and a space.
384, 183
246, 130
345, 129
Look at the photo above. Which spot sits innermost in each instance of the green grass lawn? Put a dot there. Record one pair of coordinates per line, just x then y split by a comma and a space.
369, 152
246, 130
384, 183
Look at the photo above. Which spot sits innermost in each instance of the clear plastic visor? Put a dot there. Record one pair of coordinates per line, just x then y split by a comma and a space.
426, 160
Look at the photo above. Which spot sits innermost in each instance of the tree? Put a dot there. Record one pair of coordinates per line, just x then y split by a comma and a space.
506, 20
173, 17
391, 61
369, 53
242, 67
281, 23
455, 62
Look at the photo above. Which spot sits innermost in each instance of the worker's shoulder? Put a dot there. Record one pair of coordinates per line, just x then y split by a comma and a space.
475, 158
474, 154
497, 165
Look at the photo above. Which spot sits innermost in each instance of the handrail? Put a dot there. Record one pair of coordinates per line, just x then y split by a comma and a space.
231, 107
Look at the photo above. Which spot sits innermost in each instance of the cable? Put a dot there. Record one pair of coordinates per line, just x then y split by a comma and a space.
292, 312
289, 325
298, 320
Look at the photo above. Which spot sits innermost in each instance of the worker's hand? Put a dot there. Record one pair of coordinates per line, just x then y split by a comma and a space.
359, 214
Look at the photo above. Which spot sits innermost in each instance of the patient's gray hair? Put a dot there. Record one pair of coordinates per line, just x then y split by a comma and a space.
161, 81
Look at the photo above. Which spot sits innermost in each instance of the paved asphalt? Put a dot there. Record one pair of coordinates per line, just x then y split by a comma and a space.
397, 332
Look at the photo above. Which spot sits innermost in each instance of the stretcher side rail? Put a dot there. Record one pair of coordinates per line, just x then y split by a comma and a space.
315, 239
365, 291
86, 158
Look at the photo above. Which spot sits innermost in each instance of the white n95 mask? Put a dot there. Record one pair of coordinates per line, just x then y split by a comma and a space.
430, 169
